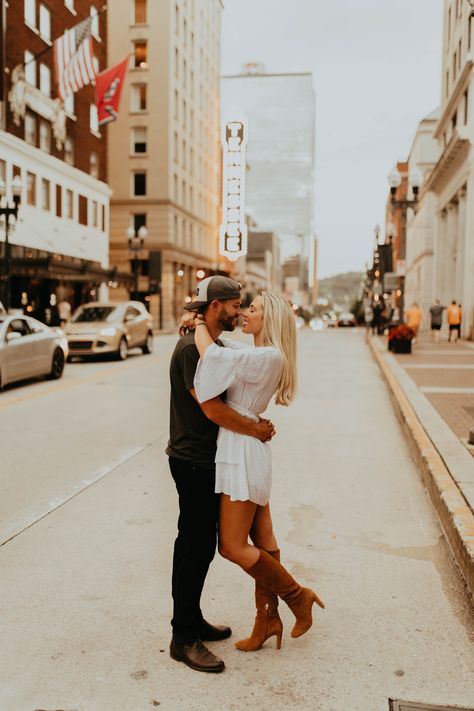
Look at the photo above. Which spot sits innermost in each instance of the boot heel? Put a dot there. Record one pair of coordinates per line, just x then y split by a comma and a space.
318, 601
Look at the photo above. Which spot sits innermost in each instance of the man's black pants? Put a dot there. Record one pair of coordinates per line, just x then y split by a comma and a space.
195, 545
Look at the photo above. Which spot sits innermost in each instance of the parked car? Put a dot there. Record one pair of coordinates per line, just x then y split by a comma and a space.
330, 319
110, 328
29, 348
346, 319
317, 324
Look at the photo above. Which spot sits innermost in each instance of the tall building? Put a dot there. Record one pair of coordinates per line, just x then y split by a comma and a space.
59, 244
280, 110
164, 150
451, 181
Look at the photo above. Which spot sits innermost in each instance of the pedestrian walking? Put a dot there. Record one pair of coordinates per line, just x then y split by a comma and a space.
191, 450
454, 321
413, 318
368, 316
64, 308
377, 318
251, 376
436, 315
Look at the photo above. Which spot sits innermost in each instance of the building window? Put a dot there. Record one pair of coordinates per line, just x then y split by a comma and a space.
139, 139
45, 23
183, 154
176, 63
30, 12
176, 19
82, 210
30, 129
45, 194
184, 114
45, 80
176, 149
140, 54
95, 22
69, 213
176, 105
69, 4
183, 193
45, 136
94, 214
185, 71
138, 97
94, 164
69, 104
466, 106
95, 64
30, 68
139, 15
69, 150
139, 220
31, 189
176, 188
191, 161
94, 118
139, 184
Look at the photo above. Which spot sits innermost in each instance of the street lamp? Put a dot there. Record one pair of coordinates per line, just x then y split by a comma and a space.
136, 240
7, 210
415, 179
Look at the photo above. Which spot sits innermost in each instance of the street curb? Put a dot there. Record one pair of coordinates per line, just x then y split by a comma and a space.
455, 514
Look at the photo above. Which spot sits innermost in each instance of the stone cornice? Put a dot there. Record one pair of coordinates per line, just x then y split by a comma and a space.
453, 154
455, 96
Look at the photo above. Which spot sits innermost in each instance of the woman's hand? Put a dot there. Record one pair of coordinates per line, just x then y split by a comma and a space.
187, 322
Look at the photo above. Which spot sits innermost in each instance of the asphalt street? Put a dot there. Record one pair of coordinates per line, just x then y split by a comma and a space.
88, 519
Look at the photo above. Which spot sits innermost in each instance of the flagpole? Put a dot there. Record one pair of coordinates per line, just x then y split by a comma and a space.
43, 51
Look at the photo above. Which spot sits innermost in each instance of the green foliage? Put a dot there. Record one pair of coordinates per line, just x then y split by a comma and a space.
341, 290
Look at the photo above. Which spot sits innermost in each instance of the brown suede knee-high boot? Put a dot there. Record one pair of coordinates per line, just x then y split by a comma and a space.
267, 622
269, 573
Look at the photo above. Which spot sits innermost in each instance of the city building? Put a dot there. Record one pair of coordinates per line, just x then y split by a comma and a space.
164, 154
452, 178
421, 225
59, 244
280, 111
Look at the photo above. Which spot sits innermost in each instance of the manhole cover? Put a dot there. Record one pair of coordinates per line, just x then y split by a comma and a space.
415, 706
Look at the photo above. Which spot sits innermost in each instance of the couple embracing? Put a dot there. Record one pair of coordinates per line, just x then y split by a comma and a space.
220, 460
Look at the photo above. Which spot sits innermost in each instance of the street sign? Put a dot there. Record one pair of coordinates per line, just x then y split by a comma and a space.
233, 231
390, 281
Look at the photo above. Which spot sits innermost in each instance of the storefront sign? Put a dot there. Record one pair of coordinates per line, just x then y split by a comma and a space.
233, 231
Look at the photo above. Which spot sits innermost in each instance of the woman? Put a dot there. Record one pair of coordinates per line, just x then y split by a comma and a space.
251, 376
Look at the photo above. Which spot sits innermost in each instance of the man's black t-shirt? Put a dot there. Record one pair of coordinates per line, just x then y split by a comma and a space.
192, 436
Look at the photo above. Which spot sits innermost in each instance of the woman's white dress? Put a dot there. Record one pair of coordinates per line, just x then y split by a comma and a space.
250, 375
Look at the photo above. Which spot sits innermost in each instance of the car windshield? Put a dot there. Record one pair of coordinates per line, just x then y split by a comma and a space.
88, 314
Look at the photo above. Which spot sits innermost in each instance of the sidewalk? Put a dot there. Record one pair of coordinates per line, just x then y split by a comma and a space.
433, 388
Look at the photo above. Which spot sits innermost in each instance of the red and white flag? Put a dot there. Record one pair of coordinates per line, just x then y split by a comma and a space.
73, 58
109, 86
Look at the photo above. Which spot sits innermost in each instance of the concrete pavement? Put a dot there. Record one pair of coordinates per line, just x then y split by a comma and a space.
85, 600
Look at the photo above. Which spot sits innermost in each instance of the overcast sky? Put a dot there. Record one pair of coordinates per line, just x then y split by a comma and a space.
377, 72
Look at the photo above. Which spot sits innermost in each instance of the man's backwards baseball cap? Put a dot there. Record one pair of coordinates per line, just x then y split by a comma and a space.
214, 287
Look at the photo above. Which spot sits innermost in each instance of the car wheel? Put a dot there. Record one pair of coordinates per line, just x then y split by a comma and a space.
148, 345
57, 366
122, 352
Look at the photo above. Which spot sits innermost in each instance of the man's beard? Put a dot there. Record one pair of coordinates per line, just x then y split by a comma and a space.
227, 323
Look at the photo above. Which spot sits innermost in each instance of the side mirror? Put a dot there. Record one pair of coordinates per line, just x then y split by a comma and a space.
13, 336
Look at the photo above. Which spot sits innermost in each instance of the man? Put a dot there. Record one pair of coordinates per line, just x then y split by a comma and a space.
191, 450
413, 319
454, 321
436, 314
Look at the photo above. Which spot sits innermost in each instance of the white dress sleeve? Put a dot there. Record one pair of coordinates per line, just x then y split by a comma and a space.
220, 367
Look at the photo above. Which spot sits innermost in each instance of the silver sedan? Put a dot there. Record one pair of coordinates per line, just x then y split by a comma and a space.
29, 348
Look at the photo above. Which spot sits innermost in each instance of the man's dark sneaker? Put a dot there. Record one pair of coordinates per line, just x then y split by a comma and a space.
196, 656
213, 633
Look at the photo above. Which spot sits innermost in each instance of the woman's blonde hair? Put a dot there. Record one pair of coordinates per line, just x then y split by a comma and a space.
279, 330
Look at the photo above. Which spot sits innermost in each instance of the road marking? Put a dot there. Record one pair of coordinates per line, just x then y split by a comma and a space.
77, 488
447, 390
104, 373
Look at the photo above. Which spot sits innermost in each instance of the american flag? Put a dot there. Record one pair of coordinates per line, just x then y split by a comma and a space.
73, 56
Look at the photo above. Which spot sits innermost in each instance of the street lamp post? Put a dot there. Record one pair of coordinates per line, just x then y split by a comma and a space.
7, 210
415, 179
136, 240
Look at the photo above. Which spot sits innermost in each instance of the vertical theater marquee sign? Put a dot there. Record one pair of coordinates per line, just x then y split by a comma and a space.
233, 232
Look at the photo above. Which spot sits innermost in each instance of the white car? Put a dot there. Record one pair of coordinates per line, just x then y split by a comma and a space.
29, 348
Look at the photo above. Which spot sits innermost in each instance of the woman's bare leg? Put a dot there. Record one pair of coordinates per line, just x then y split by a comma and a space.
261, 531
235, 521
